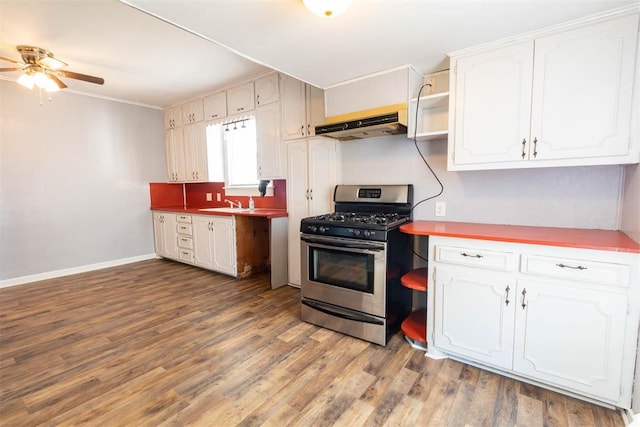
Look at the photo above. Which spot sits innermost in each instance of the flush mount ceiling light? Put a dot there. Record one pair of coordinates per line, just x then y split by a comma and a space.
327, 8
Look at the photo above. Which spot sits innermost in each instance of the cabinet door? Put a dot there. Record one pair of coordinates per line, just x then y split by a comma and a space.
174, 142
195, 146
315, 108
192, 112
293, 108
158, 233
297, 202
492, 106
203, 241
173, 118
269, 150
215, 106
474, 311
582, 91
241, 99
570, 336
224, 245
323, 172
267, 90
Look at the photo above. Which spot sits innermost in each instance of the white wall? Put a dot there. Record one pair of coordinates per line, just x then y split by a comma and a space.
74, 177
582, 197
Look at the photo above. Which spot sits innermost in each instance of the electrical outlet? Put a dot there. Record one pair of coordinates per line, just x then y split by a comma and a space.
218, 197
441, 208
209, 197
431, 85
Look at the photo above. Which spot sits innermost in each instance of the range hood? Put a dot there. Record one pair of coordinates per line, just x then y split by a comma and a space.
366, 124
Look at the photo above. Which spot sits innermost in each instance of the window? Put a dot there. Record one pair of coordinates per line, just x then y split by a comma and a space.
232, 156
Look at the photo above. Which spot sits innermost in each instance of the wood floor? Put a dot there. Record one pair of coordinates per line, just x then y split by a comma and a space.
162, 343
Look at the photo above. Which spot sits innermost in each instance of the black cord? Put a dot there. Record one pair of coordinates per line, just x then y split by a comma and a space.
415, 142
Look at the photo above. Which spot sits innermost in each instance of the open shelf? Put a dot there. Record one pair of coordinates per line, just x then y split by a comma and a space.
415, 326
416, 279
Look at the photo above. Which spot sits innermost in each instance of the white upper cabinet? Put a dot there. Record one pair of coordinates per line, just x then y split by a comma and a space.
192, 112
267, 89
173, 118
241, 98
215, 106
269, 146
559, 100
302, 108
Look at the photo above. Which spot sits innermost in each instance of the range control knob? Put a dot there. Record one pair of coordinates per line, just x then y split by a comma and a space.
313, 228
356, 232
367, 233
322, 229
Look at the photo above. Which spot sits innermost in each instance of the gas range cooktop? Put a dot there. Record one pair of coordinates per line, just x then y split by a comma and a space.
361, 219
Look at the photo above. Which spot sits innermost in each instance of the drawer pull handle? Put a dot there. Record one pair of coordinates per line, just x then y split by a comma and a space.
580, 267
506, 301
524, 294
471, 256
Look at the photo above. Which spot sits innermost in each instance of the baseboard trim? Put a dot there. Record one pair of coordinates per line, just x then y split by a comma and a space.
74, 270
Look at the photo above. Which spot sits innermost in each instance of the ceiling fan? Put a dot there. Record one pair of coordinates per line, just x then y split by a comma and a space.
41, 69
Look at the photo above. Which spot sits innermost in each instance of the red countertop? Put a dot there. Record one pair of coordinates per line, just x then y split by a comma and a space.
260, 212
604, 240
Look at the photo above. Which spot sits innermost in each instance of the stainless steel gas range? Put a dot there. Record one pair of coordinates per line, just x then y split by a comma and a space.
352, 261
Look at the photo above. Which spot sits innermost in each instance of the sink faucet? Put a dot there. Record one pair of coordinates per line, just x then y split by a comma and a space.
232, 203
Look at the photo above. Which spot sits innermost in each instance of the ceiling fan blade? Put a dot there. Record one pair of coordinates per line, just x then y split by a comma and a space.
11, 60
78, 76
11, 69
57, 81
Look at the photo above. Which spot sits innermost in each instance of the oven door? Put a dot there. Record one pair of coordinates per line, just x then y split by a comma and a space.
347, 273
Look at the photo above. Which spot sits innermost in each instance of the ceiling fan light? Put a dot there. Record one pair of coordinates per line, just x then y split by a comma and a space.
40, 79
327, 8
51, 62
27, 81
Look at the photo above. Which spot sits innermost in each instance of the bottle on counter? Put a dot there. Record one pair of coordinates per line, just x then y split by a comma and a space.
251, 204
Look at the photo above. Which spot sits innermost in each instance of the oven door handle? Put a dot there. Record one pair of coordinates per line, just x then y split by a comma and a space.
358, 318
339, 244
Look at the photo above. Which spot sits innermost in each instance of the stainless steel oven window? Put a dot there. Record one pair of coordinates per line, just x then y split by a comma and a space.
351, 270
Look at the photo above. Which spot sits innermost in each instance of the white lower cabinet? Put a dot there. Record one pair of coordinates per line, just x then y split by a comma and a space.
215, 243
474, 318
165, 234
570, 336
559, 317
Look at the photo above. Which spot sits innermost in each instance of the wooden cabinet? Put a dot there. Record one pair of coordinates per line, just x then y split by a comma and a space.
215, 243
535, 104
195, 152
174, 144
173, 118
564, 318
267, 89
302, 108
165, 234
313, 170
192, 112
241, 99
215, 106
270, 152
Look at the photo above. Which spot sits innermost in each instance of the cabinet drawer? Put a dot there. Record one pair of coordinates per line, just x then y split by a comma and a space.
576, 269
185, 255
504, 261
186, 229
185, 242
184, 218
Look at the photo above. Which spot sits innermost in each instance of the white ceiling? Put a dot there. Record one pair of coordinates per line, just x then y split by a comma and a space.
149, 61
